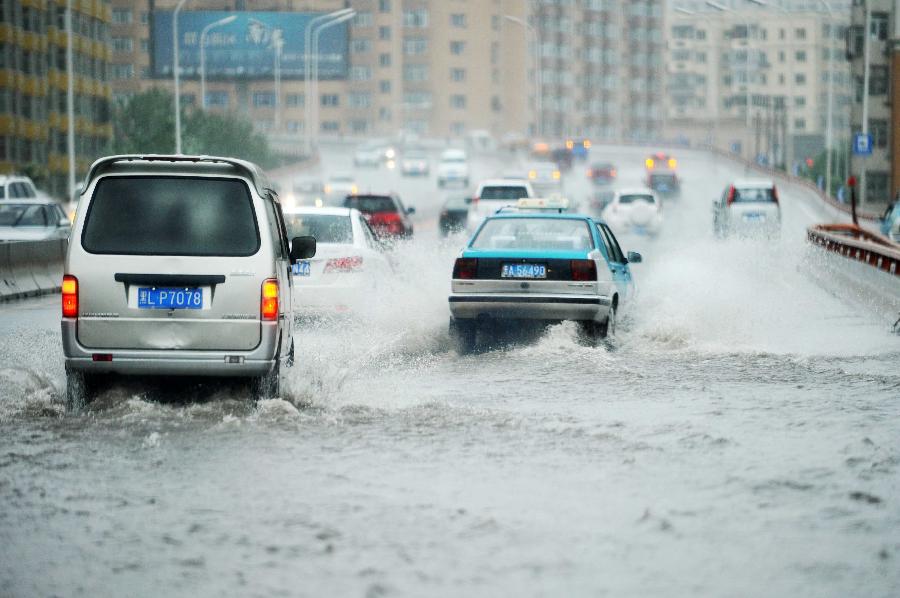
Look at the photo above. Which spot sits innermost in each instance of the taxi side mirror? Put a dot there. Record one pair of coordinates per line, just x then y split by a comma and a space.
634, 257
302, 248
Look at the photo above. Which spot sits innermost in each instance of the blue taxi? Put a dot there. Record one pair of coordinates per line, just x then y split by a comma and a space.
547, 267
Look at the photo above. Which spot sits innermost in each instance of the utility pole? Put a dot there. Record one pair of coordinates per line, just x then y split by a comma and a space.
865, 102
70, 101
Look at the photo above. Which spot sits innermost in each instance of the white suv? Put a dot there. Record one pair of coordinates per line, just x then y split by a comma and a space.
495, 194
17, 187
178, 266
747, 207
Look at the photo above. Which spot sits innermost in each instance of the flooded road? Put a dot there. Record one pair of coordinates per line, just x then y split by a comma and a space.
741, 436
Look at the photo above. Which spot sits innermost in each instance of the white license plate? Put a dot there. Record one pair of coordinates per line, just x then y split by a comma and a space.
754, 217
523, 271
301, 268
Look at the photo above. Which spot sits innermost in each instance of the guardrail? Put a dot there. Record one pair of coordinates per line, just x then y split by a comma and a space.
29, 268
857, 244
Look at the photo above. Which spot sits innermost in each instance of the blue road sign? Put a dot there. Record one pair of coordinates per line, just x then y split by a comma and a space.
862, 144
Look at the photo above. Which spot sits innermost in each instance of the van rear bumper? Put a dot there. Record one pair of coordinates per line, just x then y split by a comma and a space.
152, 362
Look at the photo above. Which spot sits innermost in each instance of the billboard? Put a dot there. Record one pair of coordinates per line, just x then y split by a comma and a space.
245, 47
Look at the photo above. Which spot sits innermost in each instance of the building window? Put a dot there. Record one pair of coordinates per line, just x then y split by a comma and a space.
800, 79
415, 19
145, 46
880, 26
360, 73
384, 86
457, 47
384, 5
384, 59
330, 126
413, 46
361, 46
877, 186
800, 33
458, 20
359, 99
121, 16
799, 101
263, 99
458, 101
294, 100
458, 129
122, 44
800, 56
415, 72
294, 126
878, 128
122, 71
799, 124
359, 126
384, 32
217, 99
458, 75
363, 19
145, 17
330, 100
878, 80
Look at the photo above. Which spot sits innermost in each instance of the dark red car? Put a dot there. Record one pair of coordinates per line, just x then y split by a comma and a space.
386, 214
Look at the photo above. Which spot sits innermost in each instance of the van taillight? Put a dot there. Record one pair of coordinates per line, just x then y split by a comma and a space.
69, 296
583, 270
731, 193
465, 268
269, 303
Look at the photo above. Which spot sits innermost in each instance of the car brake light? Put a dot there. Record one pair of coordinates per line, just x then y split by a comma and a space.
612, 172
731, 193
344, 264
583, 270
269, 303
587, 144
774, 194
556, 175
465, 268
475, 200
69, 296
649, 162
672, 163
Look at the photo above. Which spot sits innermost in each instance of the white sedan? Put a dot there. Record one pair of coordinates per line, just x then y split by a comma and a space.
349, 265
636, 210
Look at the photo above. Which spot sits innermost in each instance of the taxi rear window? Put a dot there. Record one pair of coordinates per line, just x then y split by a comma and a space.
159, 215
504, 192
551, 234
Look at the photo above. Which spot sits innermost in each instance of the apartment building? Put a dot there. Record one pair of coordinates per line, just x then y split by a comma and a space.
34, 83
434, 68
602, 68
757, 82
879, 173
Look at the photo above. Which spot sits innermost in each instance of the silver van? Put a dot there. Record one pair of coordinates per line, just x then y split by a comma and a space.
178, 265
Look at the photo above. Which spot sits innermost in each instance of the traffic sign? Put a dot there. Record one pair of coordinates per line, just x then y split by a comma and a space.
862, 144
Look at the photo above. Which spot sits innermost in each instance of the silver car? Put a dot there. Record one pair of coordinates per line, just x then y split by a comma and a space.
32, 220
178, 265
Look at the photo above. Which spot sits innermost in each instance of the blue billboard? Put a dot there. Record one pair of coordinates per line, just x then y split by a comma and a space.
245, 47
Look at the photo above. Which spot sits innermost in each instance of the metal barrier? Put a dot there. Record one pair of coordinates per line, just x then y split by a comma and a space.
857, 244
31, 267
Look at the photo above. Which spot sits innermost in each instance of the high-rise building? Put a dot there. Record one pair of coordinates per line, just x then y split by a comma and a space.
436, 68
758, 82
873, 112
34, 83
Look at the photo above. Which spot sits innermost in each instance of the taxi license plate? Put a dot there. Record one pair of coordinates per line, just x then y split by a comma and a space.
301, 268
754, 218
170, 298
523, 271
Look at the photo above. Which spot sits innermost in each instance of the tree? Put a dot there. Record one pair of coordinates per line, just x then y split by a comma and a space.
145, 124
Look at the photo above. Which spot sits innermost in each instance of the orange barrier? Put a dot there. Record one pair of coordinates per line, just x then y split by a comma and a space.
857, 244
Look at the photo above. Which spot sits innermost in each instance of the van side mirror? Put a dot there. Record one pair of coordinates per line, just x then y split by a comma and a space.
468, 201
302, 248
410, 210
634, 257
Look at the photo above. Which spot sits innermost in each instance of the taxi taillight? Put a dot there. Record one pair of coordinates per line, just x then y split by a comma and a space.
69, 296
583, 270
731, 193
269, 302
465, 268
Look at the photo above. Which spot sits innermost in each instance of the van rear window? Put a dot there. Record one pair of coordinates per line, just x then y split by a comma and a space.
157, 215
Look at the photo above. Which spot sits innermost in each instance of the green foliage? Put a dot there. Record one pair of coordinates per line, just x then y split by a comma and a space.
146, 124
838, 155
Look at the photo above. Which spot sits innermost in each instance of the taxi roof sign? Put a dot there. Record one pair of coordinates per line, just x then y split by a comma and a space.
543, 203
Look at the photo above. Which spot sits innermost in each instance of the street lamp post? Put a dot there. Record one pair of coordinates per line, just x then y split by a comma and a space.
538, 78
70, 101
714, 80
865, 100
315, 75
722, 8
829, 117
203, 33
176, 66
307, 69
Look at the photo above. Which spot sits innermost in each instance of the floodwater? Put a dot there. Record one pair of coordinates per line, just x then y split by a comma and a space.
739, 437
